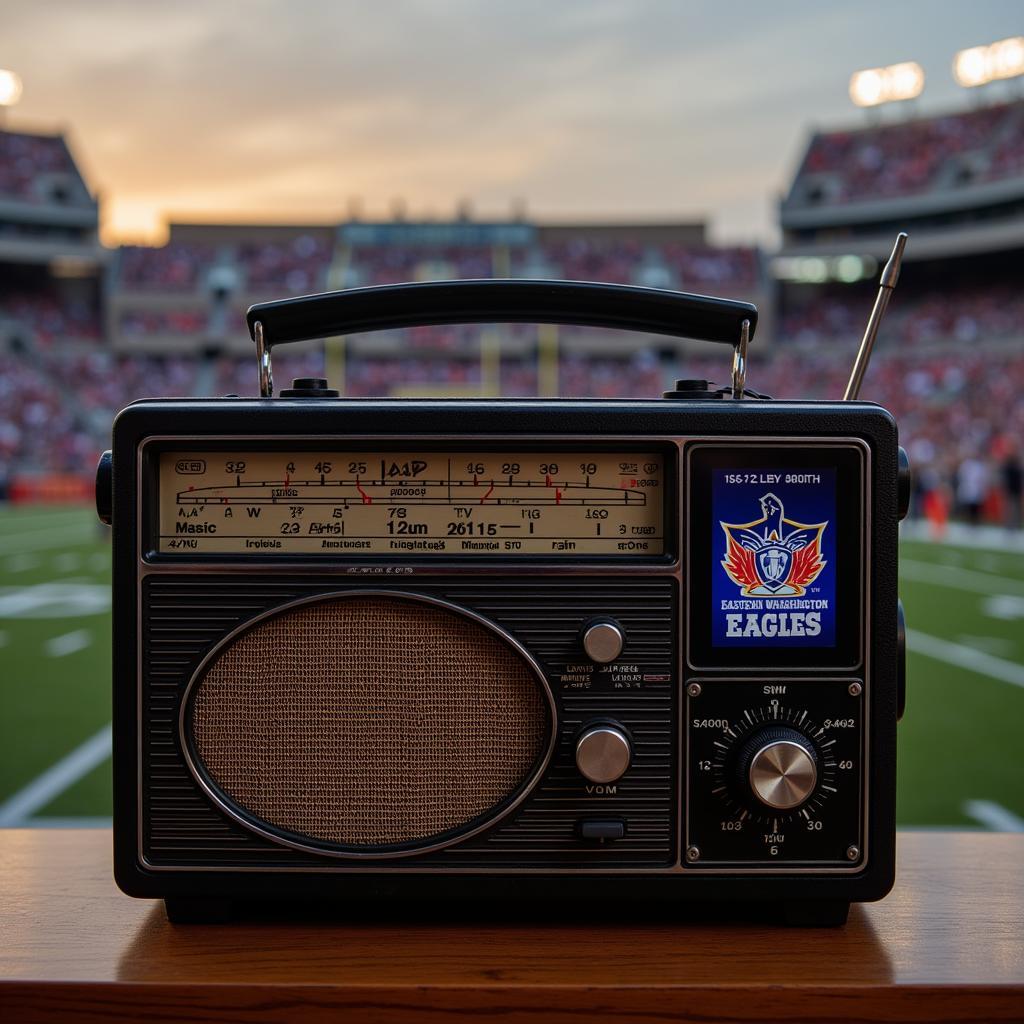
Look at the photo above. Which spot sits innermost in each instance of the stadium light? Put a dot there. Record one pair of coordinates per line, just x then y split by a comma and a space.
979, 65
874, 86
847, 269
10, 88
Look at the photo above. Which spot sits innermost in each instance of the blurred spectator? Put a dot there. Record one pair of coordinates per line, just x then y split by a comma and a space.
972, 483
1013, 486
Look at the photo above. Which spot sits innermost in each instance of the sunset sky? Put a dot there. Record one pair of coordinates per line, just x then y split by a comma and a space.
632, 109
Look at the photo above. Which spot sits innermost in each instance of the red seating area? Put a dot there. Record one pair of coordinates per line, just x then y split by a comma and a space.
138, 323
48, 319
300, 265
25, 158
907, 158
171, 268
297, 267
55, 410
961, 314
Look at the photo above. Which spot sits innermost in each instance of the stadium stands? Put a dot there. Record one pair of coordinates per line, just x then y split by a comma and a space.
47, 317
962, 314
168, 320
36, 168
911, 157
173, 268
299, 266
953, 408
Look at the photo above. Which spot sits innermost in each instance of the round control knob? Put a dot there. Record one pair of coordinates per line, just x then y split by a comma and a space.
779, 766
603, 640
603, 753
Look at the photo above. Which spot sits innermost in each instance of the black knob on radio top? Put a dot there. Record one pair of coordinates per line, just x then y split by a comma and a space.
778, 767
309, 387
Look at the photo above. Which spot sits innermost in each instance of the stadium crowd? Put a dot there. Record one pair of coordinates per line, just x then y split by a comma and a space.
44, 318
172, 268
300, 265
961, 415
962, 313
913, 156
25, 160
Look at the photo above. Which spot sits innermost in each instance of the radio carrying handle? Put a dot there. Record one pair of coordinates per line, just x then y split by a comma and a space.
581, 303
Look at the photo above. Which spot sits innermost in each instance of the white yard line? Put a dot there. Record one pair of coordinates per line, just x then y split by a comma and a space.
993, 816
980, 538
960, 579
68, 643
65, 773
965, 657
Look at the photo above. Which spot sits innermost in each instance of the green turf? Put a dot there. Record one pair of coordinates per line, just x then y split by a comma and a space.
960, 739
54, 573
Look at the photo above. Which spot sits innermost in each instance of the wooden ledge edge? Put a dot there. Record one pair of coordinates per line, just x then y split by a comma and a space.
83, 1001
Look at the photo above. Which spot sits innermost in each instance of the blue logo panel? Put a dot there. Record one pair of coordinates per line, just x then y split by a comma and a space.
773, 564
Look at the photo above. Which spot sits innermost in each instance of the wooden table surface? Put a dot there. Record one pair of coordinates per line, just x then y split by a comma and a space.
946, 945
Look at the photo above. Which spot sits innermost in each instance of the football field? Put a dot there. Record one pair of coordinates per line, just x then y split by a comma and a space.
961, 746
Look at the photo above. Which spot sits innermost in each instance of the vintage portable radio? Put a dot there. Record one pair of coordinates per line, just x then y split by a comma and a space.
642, 651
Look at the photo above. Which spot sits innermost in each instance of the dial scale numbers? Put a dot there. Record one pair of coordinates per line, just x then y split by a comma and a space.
413, 502
735, 733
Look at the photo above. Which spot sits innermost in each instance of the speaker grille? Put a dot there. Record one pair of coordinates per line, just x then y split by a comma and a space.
369, 721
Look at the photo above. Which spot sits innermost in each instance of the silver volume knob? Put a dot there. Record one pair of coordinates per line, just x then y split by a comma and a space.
603, 641
603, 753
783, 772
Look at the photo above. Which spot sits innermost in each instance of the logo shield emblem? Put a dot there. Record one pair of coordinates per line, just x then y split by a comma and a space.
773, 556
774, 562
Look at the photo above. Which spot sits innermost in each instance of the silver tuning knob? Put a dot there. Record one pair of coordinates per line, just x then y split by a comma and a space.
603, 753
780, 766
603, 641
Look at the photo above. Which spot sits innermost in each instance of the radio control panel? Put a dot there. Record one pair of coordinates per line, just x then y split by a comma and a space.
774, 773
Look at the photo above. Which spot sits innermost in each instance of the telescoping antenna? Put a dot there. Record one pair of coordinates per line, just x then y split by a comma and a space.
890, 275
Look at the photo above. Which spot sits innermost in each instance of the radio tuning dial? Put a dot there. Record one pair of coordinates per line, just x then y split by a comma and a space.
603, 753
603, 640
779, 766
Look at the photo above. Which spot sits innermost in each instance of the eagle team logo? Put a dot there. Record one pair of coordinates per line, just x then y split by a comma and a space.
773, 556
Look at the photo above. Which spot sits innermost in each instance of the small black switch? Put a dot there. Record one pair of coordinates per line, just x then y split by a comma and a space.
601, 829
309, 387
105, 488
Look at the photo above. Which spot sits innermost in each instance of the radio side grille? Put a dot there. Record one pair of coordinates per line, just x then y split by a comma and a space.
185, 616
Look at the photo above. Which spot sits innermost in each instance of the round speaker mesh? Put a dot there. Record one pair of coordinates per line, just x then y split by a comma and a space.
369, 721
